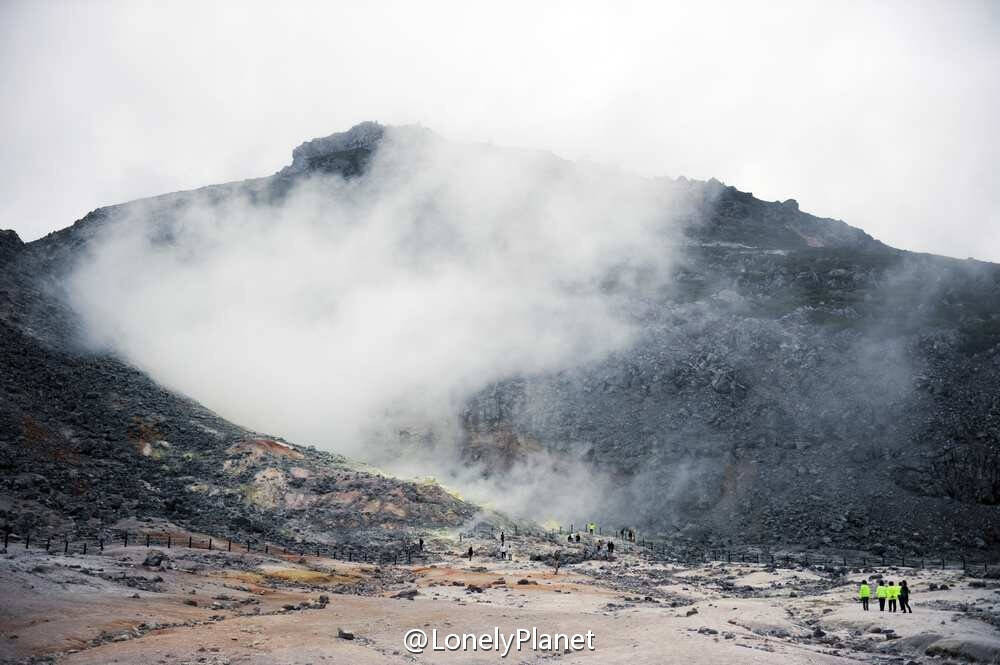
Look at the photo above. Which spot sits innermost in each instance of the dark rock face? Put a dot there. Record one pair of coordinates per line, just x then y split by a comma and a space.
87, 441
10, 242
346, 153
797, 381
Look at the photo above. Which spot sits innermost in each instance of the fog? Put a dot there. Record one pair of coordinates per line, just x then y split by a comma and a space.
882, 114
346, 309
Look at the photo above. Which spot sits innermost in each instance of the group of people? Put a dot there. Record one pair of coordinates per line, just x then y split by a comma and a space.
601, 545
504, 551
624, 533
890, 593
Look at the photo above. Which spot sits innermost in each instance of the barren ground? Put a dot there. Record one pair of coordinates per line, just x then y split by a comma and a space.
215, 608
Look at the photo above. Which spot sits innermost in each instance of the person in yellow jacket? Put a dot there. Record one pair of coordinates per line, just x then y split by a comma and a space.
864, 593
893, 594
881, 592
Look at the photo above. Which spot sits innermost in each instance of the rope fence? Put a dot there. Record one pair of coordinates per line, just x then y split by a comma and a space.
406, 553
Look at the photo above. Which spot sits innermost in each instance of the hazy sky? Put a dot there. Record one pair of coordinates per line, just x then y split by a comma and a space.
882, 114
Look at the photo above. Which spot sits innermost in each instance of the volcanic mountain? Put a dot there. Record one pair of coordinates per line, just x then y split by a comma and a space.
787, 379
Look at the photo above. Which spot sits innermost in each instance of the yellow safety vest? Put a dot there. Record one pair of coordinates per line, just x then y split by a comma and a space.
882, 592
866, 591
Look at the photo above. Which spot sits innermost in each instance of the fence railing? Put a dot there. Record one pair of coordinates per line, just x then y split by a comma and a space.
405, 553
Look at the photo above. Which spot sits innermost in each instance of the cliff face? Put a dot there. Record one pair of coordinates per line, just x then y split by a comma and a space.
794, 380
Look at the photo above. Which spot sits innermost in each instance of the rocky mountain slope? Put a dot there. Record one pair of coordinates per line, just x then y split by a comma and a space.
88, 443
799, 382
794, 381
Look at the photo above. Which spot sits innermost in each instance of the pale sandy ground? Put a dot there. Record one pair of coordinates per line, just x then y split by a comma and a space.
51, 612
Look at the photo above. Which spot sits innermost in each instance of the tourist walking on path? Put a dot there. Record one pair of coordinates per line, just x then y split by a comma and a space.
904, 598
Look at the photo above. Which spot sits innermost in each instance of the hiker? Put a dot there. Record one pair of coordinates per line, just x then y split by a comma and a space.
569, 538
611, 549
558, 554
881, 593
503, 538
470, 552
577, 537
864, 593
631, 535
904, 598
892, 593
503, 552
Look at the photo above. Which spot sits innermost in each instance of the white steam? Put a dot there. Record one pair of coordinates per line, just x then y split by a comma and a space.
445, 267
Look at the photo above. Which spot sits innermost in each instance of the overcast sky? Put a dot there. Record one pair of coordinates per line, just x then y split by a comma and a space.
881, 114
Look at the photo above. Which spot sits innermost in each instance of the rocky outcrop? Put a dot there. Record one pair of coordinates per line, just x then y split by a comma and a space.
10, 242
345, 152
